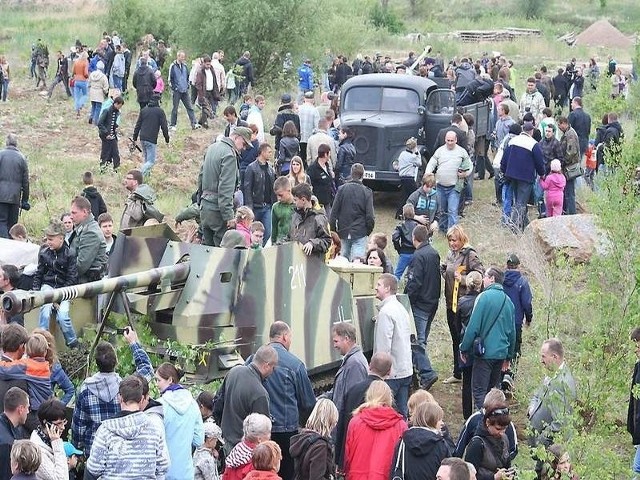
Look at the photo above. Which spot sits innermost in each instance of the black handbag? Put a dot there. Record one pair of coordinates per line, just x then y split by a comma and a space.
398, 470
478, 342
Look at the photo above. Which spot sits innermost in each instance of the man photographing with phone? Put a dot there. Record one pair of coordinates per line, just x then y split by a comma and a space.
97, 397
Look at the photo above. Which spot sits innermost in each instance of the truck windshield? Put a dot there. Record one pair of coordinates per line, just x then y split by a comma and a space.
385, 99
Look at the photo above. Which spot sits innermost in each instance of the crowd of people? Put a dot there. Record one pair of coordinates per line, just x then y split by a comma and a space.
265, 421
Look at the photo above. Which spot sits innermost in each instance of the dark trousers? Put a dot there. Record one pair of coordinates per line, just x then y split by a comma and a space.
8, 217
125, 80
60, 79
408, 185
454, 330
467, 397
521, 193
283, 439
303, 153
570, 197
484, 164
109, 152
485, 375
186, 101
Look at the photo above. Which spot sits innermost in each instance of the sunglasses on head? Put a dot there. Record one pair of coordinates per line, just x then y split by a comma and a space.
499, 411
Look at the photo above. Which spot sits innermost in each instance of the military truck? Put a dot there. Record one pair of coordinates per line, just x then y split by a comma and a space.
385, 110
225, 298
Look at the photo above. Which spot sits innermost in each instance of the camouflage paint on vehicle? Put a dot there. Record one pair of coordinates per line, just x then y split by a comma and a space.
230, 297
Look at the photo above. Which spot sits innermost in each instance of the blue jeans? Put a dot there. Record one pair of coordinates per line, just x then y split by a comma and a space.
149, 154
400, 389
636, 461
263, 214
404, 259
63, 318
538, 195
117, 82
449, 200
507, 203
80, 94
521, 194
352, 248
570, 197
95, 112
5, 89
419, 352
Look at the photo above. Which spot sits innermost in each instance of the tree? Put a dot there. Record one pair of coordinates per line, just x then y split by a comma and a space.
267, 28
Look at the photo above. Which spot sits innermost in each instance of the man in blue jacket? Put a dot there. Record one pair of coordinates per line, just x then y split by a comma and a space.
492, 321
291, 397
305, 79
521, 160
517, 288
179, 82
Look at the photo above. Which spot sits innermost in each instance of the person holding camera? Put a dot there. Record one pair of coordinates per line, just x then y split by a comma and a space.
14, 188
47, 437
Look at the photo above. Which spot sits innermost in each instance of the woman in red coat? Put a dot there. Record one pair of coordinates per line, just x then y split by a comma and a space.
372, 435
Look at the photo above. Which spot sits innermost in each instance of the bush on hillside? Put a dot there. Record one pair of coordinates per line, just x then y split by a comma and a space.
135, 18
386, 18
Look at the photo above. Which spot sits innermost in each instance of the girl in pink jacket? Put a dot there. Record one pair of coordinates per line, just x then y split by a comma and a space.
553, 185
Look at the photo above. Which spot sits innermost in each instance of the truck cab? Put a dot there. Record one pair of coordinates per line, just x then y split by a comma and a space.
384, 110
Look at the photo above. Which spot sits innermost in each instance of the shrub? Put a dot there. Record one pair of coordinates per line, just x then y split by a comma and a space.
386, 18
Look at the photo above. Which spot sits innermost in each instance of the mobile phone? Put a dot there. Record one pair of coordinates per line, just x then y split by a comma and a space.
122, 331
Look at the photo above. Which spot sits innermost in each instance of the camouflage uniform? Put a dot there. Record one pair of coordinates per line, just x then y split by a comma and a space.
311, 226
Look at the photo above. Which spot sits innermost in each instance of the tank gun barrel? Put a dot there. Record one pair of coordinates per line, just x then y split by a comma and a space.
22, 301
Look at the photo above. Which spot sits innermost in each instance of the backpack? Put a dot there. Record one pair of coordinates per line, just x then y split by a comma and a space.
298, 461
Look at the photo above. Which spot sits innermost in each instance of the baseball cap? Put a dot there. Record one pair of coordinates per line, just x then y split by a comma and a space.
211, 429
513, 260
285, 99
245, 133
69, 449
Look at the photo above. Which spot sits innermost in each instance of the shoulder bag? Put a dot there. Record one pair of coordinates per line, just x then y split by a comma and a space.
478, 342
398, 470
573, 171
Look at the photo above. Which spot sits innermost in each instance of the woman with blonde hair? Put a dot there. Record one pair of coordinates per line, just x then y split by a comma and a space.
312, 449
460, 261
372, 434
244, 218
423, 447
297, 174
59, 377
5, 76
418, 398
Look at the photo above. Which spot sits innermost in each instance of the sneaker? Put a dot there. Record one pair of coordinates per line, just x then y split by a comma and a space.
196, 126
451, 380
173, 128
507, 383
428, 384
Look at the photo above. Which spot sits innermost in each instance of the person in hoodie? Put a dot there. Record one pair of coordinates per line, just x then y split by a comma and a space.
98, 90
372, 434
423, 446
402, 238
205, 458
465, 74
150, 121
97, 397
613, 138
90, 192
309, 226
182, 421
517, 288
312, 449
553, 185
140, 197
129, 445
53, 464
256, 429
144, 81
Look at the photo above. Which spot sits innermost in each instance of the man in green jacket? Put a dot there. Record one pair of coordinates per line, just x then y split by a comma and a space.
87, 242
492, 320
218, 181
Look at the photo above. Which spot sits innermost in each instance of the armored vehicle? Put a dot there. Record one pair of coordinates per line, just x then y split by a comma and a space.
228, 297
385, 110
